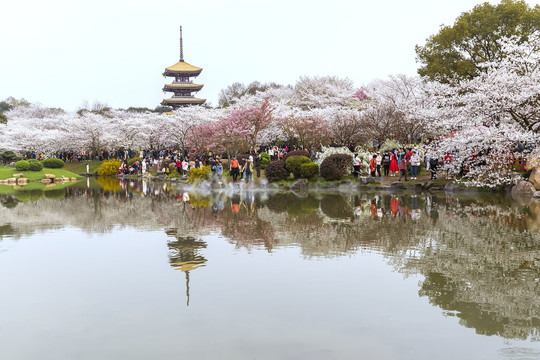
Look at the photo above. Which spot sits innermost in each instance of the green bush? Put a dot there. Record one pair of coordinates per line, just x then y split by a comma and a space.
293, 164
275, 171
296, 153
265, 160
22, 165
336, 166
109, 168
53, 163
309, 170
35, 166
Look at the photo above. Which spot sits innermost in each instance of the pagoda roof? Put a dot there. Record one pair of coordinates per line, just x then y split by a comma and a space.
183, 67
184, 86
183, 100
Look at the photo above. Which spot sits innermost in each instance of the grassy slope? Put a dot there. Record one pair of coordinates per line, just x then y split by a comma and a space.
6, 173
80, 167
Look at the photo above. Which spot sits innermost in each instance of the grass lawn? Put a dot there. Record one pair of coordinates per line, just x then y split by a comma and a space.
80, 167
6, 173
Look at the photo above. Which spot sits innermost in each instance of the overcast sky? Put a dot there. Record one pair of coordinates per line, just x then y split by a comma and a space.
62, 52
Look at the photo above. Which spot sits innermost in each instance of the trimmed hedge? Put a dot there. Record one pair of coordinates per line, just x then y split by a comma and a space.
309, 170
296, 153
293, 164
53, 163
276, 171
265, 160
35, 166
22, 165
336, 166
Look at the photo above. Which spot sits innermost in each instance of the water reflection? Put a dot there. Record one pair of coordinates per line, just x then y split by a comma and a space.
479, 254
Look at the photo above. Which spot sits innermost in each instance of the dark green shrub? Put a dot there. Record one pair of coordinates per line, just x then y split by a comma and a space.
296, 153
293, 164
265, 160
336, 166
275, 171
53, 163
22, 165
309, 170
35, 166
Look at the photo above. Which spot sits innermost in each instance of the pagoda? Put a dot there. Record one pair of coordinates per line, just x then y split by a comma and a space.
182, 86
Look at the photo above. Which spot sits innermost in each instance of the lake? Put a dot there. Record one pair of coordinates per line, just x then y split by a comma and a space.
139, 270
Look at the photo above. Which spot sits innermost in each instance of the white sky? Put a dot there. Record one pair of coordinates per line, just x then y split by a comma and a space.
62, 52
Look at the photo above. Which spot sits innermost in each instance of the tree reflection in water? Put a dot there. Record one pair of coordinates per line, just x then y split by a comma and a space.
479, 254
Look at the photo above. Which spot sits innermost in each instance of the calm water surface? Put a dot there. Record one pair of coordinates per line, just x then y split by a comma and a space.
131, 270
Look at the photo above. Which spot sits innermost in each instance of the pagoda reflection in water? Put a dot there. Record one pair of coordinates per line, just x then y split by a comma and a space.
184, 255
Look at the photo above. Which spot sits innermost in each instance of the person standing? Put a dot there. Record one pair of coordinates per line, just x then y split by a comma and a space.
394, 166
415, 163
386, 163
233, 169
248, 170
212, 162
403, 168
257, 164
379, 161
356, 165
219, 171
373, 165
433, 162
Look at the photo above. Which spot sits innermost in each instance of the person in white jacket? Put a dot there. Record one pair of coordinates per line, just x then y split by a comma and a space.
415, 163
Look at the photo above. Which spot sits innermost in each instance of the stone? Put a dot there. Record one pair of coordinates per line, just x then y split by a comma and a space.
74, 179
3, 182
523, 189
536, 194
46, 181
396, 185
50, 185
11, 181
49, 176
18, 175
22, 181
450, 187
300, 185
535, 178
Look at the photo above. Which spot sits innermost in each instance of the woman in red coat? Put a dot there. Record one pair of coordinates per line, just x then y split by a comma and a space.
394, 168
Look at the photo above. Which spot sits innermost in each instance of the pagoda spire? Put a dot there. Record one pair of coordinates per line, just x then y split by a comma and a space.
181, 46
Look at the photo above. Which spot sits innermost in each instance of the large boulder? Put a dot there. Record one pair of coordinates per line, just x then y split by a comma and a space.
49, 176
18, 175
535, 178
11, 181
22, 181
46, 181
300, 185
523, 189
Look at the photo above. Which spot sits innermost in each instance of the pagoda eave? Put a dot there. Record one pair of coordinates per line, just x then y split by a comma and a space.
173, 87
183, 102
182, 73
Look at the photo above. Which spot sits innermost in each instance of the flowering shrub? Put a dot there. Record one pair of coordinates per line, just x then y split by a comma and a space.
328, 151
108, 168
198, 174
276, 171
